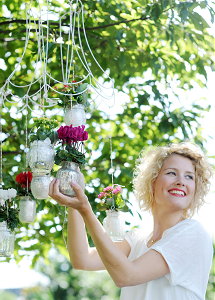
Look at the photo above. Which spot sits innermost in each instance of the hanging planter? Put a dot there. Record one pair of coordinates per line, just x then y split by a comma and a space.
73, 98
111, 201
75, 115
67, 173
70, 155
27, 209
41, 156
114, 225
7, 239
8, 221
40, 186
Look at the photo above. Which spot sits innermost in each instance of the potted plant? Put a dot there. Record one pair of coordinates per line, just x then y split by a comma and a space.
73, 97
70, 155
111, 201
41, 153
27, 203
9, 221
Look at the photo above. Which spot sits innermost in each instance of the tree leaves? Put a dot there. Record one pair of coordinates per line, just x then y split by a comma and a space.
154, 50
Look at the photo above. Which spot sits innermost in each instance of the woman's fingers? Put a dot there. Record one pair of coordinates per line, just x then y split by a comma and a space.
51, 187
76, 202
78, 190
57, 195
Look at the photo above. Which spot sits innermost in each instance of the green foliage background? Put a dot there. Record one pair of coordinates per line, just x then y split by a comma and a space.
166, 44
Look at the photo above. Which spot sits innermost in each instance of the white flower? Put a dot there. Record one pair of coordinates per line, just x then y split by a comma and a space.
7, 194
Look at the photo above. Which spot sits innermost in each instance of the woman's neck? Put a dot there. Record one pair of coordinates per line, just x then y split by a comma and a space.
163, 221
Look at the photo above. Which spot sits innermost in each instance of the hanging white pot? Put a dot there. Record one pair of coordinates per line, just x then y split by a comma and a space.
27, 209
67, 173
40, 186
75, 115
114, 225
7, 239
41, 156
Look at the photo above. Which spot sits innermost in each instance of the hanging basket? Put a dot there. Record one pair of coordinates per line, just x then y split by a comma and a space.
41, 156
7, 239
40, 186
75, 116
27, 209
67, 173
114, 225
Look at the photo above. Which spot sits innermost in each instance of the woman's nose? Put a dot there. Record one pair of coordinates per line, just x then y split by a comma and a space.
180, 181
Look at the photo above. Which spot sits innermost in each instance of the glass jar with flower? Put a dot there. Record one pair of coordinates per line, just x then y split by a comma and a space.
73, 97
9, 221
41, 153
111, 201
27, 203
70, 155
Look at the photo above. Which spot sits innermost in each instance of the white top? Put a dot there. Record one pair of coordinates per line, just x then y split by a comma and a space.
188, 251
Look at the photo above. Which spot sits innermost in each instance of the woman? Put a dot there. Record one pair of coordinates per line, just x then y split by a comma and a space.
174, 262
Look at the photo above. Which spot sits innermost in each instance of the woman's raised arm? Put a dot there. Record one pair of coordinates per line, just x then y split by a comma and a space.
82, 256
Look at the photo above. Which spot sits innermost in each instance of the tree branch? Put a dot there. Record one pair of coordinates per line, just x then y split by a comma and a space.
21, 21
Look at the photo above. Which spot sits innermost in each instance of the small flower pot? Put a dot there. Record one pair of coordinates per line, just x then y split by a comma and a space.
27, 209
66, 174
40, 186
75, 116
7, 239
41, 156
114, 225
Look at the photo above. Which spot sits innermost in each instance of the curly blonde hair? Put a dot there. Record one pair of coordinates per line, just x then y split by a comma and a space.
150, 164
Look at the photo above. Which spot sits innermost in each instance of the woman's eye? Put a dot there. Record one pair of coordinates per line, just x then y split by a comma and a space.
189, 177
171, 173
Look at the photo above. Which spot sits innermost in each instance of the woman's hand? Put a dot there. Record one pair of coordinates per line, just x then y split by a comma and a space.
79, 202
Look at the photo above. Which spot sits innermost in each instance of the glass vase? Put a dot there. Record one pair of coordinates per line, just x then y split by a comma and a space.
41, 156
7, 239
114, 225
40, 186
67, 173
27, 209
75, 115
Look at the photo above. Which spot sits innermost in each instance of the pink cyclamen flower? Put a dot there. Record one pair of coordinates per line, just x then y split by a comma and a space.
108, 189
117, 190
71, 134
102, 195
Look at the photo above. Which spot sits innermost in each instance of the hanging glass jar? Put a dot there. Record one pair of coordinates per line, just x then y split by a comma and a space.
7, 239
40, 186
27, 209
75, 115
41, 156
67, 173
114, 225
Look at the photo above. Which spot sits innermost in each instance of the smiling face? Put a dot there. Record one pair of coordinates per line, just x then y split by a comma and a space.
174, 188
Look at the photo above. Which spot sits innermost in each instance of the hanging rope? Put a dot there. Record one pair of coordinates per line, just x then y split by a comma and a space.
72, 39
1, 137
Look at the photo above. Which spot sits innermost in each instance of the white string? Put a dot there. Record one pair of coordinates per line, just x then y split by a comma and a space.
111, 160
73, 49
1, 165
26, 143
